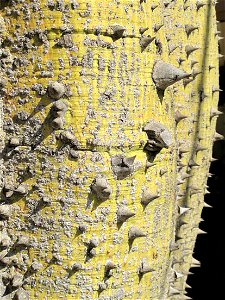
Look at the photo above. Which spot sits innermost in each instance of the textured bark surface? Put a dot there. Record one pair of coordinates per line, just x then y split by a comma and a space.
109, 118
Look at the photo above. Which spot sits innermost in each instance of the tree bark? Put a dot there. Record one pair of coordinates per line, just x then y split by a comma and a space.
108, 124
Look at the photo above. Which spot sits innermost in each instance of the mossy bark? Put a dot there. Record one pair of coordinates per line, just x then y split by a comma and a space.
108, 124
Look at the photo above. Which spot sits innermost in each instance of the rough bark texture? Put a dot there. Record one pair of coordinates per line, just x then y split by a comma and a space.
109, 119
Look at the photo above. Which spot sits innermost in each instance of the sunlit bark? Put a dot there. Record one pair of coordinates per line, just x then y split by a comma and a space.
107, 130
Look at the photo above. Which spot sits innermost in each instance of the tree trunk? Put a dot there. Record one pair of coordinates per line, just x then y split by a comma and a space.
109, 119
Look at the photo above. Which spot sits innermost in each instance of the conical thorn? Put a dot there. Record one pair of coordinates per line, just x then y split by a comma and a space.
165, 74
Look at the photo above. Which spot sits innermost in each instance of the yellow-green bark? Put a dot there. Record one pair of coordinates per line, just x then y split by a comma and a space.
110, 97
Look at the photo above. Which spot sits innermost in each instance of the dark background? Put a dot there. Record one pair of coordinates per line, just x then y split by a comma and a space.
208, 281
